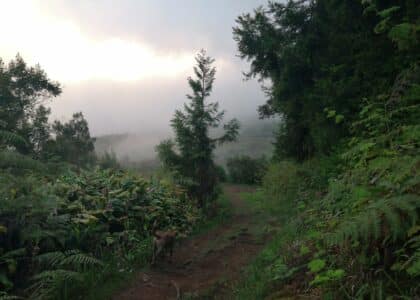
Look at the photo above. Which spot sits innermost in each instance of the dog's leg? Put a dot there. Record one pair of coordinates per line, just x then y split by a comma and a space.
171, 252
154, 254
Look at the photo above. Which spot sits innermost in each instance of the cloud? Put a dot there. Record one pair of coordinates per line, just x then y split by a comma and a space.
125, 63
70, 55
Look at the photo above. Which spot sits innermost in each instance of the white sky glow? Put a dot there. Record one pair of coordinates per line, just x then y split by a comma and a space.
69, 55
124, 63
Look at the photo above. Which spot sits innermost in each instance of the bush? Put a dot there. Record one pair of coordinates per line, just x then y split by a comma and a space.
245, 169
86, 217
108, 160
221, 173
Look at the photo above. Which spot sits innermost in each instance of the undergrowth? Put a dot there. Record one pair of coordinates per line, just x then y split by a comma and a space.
350, 221
68, 235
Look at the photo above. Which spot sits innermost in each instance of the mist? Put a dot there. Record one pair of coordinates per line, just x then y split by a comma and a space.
126, 66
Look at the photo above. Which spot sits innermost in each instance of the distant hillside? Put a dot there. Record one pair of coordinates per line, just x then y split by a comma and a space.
137, 150
255, 139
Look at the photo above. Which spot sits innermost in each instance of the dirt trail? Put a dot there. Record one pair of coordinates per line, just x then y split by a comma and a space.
206, 264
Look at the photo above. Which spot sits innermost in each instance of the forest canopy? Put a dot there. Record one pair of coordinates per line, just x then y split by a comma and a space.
323, 62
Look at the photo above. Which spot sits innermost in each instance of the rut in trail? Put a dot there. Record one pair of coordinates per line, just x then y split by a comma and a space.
208, 263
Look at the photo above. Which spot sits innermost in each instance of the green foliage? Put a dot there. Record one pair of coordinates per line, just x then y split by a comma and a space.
272, 265
24, 125
15, 161
405, 35
5, 296
385, 219
98, 213
221, 173
73, 142
108, 160
345, 80
22, 88
360, 209
61, 275
193, 158
322, 59
245, 169
316, 265
8, 138
328, 277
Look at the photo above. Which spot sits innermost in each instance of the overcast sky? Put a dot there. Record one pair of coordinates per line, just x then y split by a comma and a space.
124, 63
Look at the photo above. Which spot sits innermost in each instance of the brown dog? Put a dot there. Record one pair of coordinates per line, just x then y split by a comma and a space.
163, 243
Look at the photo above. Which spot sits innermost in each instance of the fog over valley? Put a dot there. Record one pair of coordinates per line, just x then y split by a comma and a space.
130, 77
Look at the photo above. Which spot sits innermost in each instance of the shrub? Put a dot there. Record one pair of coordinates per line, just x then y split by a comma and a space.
108, 160
89, 216
221, 173
245, 169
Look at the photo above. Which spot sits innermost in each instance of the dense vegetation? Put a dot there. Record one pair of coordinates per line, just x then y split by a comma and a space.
245, 169
343, 78
345, 178
66, 226
24, 118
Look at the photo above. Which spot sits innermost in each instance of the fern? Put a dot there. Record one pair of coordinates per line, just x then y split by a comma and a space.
51, 259
384, 219
52, 283
14, 160
73, 259
6, 296
11, 139
80, 260
64, 270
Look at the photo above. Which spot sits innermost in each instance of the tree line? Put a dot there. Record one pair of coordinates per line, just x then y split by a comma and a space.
24, 118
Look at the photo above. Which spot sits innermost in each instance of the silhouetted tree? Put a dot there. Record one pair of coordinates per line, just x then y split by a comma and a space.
191, 155
73, 142
22, 90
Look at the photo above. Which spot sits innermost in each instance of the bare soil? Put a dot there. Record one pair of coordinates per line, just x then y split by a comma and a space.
207, 265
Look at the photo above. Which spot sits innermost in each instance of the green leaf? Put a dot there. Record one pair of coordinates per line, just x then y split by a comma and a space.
328, 276
304, 250
339, 119
388, 12
414, 269
316, 265
5, 282
403, 34
3, 229
413, 230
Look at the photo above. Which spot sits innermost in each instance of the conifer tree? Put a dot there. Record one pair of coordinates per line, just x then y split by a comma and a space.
192, 159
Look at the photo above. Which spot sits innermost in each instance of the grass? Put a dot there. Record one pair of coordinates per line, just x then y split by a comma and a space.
223, 210
118, 272
258, 276
257, 279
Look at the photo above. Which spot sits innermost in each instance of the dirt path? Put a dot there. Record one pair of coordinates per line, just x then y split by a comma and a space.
206, 264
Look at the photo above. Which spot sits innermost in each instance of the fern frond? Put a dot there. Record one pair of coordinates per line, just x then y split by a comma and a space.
6, 296
72, 259
49, 284
386, 218
57, 274
11, 159
50, 259
13, 254
78, 259
11, 139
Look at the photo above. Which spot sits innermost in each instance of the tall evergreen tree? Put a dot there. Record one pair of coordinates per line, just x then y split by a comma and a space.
322, 59
193, 158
